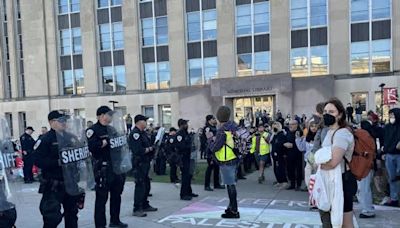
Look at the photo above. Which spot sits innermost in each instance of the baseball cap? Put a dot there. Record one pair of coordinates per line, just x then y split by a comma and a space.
140, 118
30, 128
182, 122
172, 129
55, 115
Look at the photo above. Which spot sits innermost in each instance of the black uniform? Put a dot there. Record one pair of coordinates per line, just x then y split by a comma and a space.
52, 185
161, 158
183, 145
138, 143
172, 156
294, 161
27, 143
212, 165
106, 180
278, 155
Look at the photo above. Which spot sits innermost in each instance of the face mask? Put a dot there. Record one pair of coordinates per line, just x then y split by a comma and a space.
275, 130
392, 120
329, 120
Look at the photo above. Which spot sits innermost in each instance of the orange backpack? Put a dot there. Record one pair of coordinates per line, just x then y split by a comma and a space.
364, 154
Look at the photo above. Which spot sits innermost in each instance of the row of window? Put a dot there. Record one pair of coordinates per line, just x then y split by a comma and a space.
73, 6
309, 54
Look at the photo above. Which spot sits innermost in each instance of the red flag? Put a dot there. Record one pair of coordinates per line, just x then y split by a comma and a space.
390, 96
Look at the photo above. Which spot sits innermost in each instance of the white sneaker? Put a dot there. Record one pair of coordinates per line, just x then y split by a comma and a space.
284, 185
384, 200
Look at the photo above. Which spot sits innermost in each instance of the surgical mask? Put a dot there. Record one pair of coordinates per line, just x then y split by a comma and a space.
392, 120
329, 120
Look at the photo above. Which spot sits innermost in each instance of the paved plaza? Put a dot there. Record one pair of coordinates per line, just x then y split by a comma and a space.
260, 206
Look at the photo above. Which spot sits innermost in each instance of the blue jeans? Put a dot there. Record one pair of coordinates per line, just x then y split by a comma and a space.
358, 118
364, 194
393, 168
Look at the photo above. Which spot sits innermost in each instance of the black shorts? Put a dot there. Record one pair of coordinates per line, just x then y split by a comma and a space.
349, 190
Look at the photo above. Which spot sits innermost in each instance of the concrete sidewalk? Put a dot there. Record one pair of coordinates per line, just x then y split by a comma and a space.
261, 205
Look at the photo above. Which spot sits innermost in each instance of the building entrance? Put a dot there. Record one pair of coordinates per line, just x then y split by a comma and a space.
251, 108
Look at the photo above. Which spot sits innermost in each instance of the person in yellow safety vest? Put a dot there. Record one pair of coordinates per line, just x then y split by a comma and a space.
261, 147
223, 146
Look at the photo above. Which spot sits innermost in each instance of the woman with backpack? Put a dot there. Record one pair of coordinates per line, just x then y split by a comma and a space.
341, 140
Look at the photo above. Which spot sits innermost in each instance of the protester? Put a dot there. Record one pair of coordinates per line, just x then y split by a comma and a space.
223, 146
341, 141
392, 155
306, 144
364, 194
260, 147
349, 113
278, 155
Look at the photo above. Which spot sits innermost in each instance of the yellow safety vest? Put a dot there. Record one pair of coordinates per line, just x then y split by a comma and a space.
264, 145
226, 152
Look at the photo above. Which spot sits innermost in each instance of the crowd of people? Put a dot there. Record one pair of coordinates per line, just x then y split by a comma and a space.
290, 144
295, 148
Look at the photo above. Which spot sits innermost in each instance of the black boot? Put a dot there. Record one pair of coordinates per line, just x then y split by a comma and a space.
229, 214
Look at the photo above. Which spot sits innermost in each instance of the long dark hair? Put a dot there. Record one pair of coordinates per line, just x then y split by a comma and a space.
311, 135
339, 106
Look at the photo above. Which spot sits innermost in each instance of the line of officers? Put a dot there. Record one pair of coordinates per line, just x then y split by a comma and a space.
109, 184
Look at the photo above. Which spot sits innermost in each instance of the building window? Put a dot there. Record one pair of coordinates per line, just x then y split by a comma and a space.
108, 3
193, 26
19, 49
22, 122
68, 6
73, 81
70, 47
210, 70
111, 45
116, 37
195, 72
9, 119
162, 30
361, 99
155, 53
252, 32
298, 13
6, 55
80, 112
148, 111
113, 78
201, 24
165, 116
209, 25
371, 50
309, 38
157, 76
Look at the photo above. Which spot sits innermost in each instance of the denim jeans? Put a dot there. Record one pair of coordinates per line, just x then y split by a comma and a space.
358, 118
393, 169
364, 194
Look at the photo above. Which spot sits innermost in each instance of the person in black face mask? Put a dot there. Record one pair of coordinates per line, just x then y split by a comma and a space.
294, 157
278, 153
341, 141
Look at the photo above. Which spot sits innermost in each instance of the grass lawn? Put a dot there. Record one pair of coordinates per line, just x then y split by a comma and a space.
198, 177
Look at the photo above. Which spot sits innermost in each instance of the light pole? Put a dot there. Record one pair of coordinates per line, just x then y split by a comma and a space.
113, 103
382, 85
